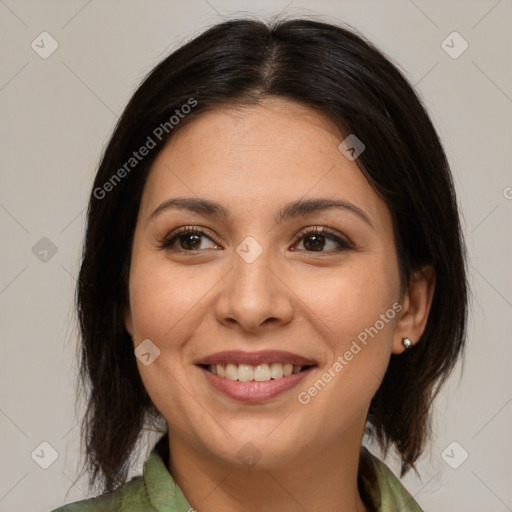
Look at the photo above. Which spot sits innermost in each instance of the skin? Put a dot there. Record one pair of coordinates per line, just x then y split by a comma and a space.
253, 161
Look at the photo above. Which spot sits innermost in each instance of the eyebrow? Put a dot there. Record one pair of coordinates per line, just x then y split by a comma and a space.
192, 204
305, 207
290, 211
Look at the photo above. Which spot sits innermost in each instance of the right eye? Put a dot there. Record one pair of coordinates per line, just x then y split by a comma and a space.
188, 239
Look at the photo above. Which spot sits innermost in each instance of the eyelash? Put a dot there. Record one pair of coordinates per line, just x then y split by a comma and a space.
343, 245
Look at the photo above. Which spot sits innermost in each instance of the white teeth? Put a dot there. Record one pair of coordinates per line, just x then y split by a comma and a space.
261, 373
231, 371
245, 372
276, 370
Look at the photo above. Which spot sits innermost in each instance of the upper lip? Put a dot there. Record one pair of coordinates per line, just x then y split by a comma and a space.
255, 358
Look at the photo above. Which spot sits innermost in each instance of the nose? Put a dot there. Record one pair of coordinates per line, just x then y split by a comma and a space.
253, 297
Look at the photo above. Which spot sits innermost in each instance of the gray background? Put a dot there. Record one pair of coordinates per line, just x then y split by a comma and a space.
56, 115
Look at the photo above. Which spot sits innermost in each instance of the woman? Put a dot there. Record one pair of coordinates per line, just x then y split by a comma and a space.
274, 266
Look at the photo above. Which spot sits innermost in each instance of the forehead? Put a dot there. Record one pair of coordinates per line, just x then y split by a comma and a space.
259, 156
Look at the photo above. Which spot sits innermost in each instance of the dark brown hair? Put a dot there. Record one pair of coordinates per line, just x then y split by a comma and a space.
344, 77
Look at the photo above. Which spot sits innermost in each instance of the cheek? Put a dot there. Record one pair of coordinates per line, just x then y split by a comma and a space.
358, 340
361, 310
353, 298
355, 310
162, 297
165, 305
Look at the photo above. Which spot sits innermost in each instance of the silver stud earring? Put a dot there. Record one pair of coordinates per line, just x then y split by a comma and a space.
407, 343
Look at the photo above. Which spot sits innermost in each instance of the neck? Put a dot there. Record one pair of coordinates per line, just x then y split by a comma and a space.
322, 480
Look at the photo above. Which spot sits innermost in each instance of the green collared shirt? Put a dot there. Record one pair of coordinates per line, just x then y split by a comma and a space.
156, 491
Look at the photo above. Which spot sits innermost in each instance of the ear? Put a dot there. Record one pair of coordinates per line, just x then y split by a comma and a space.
416, 303
128, 321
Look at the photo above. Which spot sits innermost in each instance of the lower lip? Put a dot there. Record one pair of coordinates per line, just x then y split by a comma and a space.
253, 391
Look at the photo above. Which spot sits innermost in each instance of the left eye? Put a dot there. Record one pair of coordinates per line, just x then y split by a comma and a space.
322, 241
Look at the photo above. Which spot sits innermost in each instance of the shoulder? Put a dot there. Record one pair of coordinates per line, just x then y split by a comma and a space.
131, 497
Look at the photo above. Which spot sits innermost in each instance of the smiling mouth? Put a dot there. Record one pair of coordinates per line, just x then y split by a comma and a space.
261, 373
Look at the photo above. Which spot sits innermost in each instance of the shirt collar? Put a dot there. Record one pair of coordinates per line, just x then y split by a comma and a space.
166, 496
163, 492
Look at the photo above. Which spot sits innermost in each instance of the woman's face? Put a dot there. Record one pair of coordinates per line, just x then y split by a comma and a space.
260, 250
